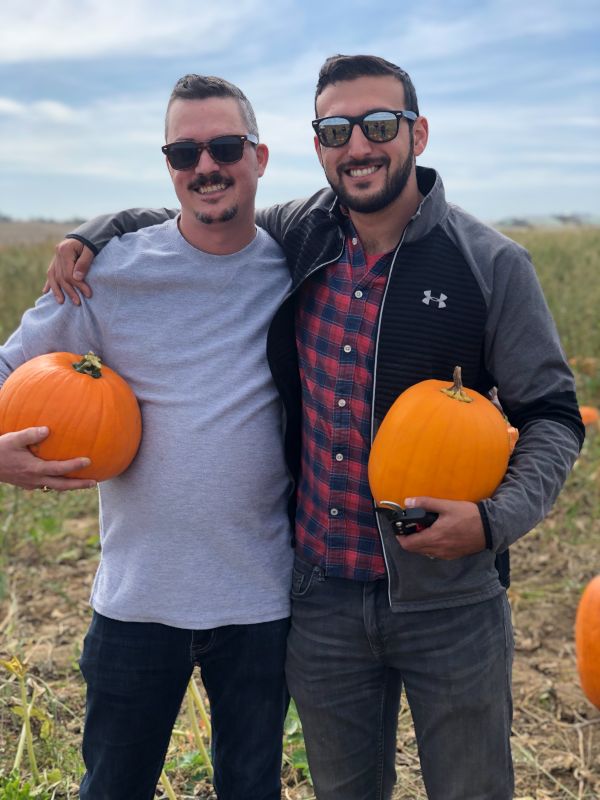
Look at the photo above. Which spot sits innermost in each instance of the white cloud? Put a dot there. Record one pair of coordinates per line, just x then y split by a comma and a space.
434, 34
67, 30
512, 110
11, 108
39, 111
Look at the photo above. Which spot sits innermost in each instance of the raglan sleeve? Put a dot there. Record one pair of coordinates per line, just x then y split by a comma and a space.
49, 327
97, 232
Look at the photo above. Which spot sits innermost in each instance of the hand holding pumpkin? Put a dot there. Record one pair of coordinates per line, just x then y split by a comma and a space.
457, 532
86, 405
19, 467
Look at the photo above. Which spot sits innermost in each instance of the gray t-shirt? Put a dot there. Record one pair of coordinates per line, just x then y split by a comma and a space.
195, 534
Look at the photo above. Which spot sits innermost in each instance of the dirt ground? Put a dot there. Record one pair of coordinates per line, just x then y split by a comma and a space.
556, 738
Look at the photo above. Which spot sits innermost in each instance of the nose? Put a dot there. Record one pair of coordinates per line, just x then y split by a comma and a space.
206, 162
358, 145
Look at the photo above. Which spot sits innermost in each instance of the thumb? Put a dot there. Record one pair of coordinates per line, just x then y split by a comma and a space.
428, 503
29, 436
83, 264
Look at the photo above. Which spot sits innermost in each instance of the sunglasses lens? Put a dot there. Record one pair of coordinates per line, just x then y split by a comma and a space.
334, 131
382, 126
182, 155
226, 149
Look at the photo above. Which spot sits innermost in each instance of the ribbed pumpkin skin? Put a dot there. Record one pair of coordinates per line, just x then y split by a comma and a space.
94, 417
432, 445
587, 641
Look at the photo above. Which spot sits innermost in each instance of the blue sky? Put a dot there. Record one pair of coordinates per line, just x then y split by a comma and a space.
511, 90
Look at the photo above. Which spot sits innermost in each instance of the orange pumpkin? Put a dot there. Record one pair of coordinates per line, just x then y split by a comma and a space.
439, 441
589, 415
89, 409
587, 640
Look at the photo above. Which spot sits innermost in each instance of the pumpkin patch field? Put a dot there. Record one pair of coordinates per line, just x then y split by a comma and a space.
49, 553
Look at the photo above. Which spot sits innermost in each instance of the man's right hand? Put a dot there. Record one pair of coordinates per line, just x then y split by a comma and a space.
68, 269
19, 467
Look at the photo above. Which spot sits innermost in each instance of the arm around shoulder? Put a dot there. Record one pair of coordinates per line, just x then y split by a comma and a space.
74, 255
97, 232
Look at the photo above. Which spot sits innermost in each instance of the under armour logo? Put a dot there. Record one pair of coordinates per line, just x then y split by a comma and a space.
439, 300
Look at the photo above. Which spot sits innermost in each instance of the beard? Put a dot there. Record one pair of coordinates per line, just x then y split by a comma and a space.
214, 179
393, 188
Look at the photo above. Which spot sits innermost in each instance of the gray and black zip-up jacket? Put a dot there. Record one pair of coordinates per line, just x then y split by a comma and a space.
493, 321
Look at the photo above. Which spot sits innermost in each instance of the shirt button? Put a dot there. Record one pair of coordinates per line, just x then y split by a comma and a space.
339, 457
334, 512
341, 403
358, 294
347, 348
354, 240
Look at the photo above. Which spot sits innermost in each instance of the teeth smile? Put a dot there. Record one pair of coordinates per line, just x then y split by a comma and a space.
214, 187
359, 173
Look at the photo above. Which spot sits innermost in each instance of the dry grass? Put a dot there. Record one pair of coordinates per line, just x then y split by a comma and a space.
27, 233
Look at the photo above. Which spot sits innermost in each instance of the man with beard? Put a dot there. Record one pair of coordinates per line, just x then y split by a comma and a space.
196, 536
372, 612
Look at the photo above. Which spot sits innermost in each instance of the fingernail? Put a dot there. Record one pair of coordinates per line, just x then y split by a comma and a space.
85, 462
42, 431
78, 275
410, 502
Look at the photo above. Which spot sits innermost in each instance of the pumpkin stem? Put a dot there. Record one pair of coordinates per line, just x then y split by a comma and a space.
456, 391
90, 364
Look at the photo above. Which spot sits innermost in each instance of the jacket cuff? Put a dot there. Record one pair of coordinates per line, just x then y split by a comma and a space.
84, 241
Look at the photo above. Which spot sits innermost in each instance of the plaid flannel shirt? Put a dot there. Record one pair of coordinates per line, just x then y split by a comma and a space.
336, 324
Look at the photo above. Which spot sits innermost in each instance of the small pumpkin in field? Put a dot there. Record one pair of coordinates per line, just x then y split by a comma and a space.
589, 415
587, 641
440, 441
88, 408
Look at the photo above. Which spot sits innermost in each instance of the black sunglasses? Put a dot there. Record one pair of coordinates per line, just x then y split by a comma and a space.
377, 126
223, 149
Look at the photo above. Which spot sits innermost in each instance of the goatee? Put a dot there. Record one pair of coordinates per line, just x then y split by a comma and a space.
225, 216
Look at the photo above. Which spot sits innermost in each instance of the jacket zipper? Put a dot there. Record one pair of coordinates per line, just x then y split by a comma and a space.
377, 520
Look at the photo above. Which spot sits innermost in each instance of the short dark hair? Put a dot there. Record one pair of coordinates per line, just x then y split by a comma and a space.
348, 68
200, 87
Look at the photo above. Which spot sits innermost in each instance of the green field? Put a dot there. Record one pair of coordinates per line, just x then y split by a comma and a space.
49, 551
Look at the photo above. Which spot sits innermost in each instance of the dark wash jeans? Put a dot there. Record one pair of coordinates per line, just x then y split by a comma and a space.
348, 658
137, 674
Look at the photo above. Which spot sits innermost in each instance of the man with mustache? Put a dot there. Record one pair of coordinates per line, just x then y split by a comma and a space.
374, 613
196, 535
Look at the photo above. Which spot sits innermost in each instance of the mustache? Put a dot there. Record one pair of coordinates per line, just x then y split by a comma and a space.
363, 163
212, 179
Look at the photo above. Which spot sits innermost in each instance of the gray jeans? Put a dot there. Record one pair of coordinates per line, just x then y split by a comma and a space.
348, 658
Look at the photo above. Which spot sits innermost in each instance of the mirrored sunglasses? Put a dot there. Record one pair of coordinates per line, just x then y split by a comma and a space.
377, 126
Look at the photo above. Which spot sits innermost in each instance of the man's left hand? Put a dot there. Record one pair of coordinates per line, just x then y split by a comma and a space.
457, 532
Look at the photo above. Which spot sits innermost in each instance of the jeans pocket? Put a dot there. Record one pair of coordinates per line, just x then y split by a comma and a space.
303, 576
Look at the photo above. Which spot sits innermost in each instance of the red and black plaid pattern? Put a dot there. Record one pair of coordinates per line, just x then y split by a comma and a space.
336, 326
